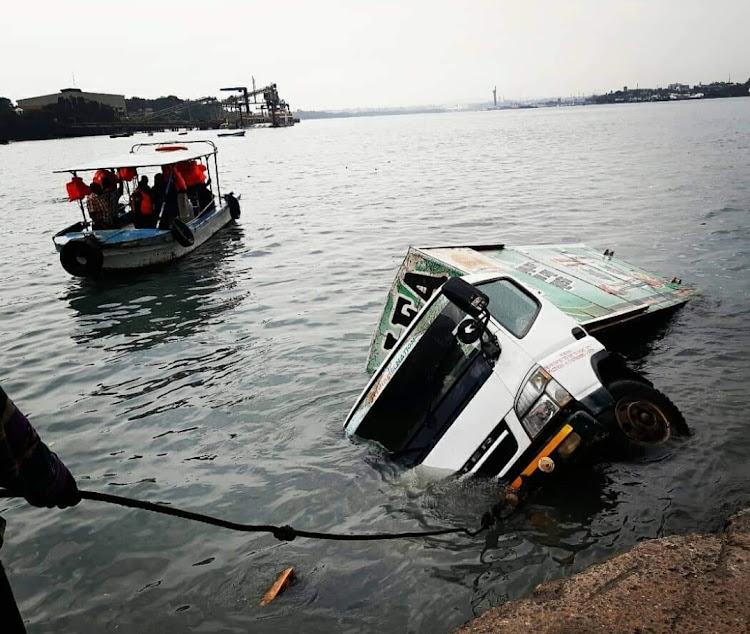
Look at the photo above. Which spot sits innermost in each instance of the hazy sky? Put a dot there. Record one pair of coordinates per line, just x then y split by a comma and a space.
351, 53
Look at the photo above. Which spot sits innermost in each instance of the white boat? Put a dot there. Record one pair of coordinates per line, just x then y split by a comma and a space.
86, 251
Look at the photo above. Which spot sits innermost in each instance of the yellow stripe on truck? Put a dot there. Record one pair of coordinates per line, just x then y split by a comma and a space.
548, 449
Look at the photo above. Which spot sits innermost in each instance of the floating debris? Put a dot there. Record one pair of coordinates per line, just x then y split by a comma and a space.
282, 583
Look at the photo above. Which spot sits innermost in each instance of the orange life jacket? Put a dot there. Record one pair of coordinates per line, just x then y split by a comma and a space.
127, 173
147, 206
192, 172
77, 189
105, 178
178, 182
142, 203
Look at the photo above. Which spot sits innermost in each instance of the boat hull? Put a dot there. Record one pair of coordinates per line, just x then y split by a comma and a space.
130, 249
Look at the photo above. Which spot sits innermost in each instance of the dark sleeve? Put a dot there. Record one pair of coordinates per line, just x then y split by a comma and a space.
27, 466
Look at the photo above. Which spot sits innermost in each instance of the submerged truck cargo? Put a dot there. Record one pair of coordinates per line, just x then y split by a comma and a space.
597, 290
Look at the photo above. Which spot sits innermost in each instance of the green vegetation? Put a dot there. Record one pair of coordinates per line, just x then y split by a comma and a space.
77, 117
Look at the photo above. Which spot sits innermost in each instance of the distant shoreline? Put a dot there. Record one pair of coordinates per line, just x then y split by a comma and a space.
311, 115
308, 115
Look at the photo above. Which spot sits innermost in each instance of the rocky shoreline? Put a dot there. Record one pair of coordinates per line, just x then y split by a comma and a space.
687, 583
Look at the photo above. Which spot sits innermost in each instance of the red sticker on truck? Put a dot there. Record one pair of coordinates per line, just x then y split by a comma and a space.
569, 356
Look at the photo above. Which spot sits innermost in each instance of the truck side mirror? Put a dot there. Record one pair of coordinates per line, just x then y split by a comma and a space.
469, 331
467, 297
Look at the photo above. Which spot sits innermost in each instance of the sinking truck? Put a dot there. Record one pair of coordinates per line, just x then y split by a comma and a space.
484, 363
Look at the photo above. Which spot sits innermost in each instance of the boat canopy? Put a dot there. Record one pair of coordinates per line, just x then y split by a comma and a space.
147, 155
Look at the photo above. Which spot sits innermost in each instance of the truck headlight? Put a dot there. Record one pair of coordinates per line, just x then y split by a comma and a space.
542, 412
531, 391
539, 400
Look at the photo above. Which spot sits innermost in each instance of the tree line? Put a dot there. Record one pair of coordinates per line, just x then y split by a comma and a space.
51, 121
64, 118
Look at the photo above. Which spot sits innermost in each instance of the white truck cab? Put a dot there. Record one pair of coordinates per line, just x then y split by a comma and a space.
492, 379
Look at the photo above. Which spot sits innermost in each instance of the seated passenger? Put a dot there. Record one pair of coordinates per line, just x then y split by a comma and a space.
112, 187
141, 202
99, 205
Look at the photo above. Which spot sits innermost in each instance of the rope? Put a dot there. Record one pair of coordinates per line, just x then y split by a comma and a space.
282, 533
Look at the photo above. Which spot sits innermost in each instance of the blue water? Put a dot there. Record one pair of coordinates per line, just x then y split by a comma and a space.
220, 384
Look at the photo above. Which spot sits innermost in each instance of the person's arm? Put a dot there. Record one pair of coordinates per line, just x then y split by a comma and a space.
27, 466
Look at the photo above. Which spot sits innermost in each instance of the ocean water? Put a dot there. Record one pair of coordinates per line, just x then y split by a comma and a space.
220, 383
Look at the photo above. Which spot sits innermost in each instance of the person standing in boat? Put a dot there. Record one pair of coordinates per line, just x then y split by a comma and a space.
28, 469
175, 186
157, 194
99, 205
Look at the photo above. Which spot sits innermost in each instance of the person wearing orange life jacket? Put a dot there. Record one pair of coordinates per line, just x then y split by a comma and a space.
195, 179
112, 187
175, 186
141, 202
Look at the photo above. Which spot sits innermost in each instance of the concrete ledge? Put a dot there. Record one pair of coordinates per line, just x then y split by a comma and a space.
691, 583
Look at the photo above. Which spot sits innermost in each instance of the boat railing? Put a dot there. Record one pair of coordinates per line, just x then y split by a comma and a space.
214, 151
134, 149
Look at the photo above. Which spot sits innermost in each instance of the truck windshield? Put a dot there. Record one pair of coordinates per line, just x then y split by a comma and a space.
432, 377
511, 307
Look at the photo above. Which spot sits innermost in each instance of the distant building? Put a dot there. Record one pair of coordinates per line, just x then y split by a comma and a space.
113, 101
678, 88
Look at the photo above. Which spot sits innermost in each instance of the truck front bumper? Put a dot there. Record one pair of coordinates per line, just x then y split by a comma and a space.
573, 439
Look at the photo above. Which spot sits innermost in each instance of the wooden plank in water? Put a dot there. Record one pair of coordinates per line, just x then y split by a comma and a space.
282, 583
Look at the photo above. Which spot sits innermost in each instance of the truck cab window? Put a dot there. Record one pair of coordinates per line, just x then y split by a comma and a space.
514, 309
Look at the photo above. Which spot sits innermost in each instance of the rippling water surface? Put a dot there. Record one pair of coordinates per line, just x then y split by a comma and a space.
220, 383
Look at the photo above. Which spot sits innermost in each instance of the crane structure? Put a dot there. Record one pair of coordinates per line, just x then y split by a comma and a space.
273, 111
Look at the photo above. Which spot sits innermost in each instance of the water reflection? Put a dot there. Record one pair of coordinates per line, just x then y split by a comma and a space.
142, 310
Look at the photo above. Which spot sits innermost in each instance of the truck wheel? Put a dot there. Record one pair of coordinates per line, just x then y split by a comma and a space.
643, 415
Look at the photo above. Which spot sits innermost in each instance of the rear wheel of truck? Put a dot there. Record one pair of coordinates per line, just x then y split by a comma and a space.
642, 415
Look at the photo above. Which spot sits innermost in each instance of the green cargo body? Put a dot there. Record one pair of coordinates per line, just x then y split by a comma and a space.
597, 290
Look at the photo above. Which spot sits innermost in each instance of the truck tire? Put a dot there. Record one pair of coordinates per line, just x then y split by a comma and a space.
642, 415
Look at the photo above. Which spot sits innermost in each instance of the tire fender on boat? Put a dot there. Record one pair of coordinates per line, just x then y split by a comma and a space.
234, 206
182, 233
81, 258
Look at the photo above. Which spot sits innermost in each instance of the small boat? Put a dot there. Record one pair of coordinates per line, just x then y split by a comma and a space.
236, 133
120, 135
196, 213
181, 133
